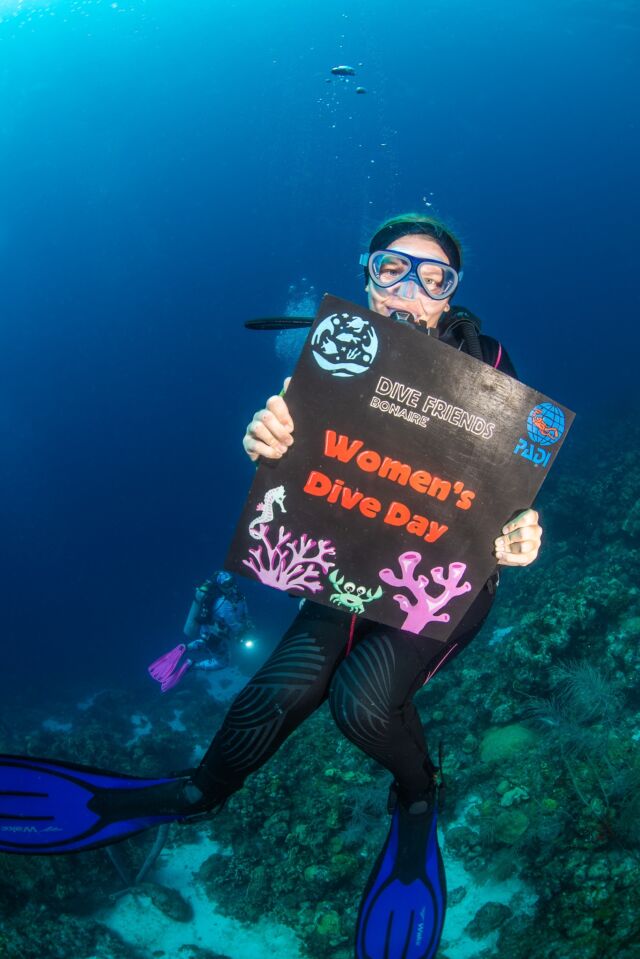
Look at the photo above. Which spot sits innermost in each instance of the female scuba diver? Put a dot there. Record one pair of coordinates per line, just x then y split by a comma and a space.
368, 672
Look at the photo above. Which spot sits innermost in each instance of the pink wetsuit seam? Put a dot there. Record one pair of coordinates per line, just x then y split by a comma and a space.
352, 627
446, 656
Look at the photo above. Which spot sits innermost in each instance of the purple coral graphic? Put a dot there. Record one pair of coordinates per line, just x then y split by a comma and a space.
290, 564
426, 607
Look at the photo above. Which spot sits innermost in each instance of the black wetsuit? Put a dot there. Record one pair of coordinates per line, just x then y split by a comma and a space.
370, 690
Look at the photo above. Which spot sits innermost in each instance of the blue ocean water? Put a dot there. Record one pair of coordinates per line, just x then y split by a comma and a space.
168, 170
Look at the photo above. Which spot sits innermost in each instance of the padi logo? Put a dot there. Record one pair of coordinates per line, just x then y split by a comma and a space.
344, 345
545, 426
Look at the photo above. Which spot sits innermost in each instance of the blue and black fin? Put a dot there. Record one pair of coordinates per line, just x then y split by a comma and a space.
48, 806
403, 907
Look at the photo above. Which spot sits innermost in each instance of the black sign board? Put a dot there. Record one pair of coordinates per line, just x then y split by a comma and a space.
408, 458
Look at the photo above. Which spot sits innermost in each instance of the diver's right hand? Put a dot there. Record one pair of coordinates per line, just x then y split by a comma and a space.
269, 433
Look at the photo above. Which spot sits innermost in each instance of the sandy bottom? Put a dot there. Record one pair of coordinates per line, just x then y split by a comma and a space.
140, 923
513, 893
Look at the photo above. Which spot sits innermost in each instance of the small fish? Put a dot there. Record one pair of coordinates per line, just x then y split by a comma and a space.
360, 90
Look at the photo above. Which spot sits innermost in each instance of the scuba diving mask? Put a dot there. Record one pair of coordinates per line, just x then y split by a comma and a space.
389, 268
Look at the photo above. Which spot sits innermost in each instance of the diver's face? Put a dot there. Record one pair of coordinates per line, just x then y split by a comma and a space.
426, 311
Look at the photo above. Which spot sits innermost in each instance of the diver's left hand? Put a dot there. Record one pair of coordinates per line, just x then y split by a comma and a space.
519, 544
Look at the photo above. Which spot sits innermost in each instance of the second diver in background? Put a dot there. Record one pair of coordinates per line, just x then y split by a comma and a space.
218, 619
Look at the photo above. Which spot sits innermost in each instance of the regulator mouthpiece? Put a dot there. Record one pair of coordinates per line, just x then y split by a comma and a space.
403, 316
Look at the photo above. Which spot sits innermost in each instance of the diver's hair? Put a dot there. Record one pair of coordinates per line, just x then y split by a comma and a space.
408, 223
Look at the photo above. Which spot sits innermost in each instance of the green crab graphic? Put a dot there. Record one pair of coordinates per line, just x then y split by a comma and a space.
350, 596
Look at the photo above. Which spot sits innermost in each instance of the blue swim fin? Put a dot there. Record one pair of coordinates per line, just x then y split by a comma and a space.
402, 911
47, 806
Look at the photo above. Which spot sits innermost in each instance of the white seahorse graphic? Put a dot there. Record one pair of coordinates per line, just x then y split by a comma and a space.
275, 495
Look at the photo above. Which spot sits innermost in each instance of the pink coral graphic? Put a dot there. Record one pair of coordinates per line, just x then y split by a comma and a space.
290, 565
426, 607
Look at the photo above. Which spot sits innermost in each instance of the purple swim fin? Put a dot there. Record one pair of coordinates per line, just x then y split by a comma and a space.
170, 681
162, 668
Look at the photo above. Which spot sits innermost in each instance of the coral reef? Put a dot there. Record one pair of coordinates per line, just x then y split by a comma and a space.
499, 744
542, 714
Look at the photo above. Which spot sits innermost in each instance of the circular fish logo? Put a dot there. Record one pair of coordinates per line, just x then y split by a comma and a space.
545, 424
344, 344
